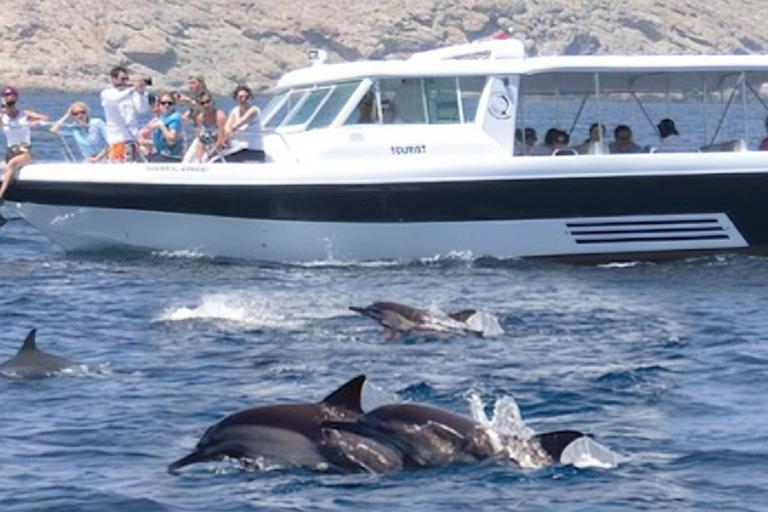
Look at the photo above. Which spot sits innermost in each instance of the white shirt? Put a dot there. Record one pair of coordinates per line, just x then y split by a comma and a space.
17, 130
248, 135
120, 112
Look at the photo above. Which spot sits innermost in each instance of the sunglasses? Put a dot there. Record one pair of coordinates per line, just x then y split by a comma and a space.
79, 113
169, 103
207, 102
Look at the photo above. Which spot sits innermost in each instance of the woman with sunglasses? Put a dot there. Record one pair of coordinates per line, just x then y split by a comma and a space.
243, 128
90, 135
210, 129
17, 126
166, 131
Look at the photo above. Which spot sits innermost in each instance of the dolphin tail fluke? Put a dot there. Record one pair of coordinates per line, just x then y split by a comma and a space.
348, 396
463, 315
555, 442
29, 343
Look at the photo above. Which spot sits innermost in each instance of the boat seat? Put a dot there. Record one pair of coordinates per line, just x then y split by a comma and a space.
730, 146
682, 148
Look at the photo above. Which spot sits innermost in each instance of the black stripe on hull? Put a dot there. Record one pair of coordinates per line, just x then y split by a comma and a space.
742, 196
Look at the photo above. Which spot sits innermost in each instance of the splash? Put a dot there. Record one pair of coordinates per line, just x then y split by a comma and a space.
184, 254
451, 256
512, 439
481, 322
235, 308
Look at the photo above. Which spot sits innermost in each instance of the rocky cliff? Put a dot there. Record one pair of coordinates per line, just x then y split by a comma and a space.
71, 44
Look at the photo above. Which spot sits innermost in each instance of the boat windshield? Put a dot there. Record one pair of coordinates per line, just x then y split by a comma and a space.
288, 102
333, 104
308, 108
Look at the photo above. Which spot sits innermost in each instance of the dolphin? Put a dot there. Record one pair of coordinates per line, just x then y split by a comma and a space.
427, 436
293, 435
31, 362
399, 319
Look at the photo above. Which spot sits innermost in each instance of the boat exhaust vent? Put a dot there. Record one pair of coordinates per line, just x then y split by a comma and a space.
654, 230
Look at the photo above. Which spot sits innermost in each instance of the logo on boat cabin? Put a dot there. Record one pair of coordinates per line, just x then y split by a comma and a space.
409, 150
500, 106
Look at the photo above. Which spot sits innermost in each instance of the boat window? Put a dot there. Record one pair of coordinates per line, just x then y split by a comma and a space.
641, 112
333, 105
470, 90
405, 96
304, 111
366, 111
272, 106
442, 101
294, 97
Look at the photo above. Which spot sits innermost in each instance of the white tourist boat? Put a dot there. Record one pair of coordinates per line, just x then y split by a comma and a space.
417, 158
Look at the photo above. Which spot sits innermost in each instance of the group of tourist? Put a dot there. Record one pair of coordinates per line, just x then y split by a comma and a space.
557, 142
121, 136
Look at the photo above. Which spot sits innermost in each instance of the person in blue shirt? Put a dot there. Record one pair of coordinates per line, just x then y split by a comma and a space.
166, 131
90, 135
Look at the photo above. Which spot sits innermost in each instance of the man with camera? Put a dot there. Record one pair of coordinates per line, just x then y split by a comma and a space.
123, 103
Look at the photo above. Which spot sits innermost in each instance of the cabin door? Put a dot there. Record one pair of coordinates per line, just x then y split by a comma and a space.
500, 102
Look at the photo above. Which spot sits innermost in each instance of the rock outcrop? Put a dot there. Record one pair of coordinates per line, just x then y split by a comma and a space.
71, 44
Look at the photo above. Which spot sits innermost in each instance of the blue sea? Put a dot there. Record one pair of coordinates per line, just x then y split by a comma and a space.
665, 364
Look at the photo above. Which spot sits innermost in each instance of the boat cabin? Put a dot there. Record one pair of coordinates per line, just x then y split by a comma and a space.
490, 100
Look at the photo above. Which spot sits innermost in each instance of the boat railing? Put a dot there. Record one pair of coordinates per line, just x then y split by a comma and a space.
54, 145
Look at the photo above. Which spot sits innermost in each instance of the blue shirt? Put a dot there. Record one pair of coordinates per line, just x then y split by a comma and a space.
171, 121
90, 140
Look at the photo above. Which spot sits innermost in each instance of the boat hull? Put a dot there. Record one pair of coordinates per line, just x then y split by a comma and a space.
596, 239
581, 218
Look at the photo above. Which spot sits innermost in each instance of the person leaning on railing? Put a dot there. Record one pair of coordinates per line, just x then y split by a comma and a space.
89, 134
17, 126
243, 128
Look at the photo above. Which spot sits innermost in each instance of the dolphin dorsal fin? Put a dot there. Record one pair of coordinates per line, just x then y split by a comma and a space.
348, 395
29, 343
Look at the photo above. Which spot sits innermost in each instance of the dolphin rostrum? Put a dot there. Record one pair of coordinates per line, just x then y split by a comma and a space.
31, 362
293, 435
427, 436
399, 319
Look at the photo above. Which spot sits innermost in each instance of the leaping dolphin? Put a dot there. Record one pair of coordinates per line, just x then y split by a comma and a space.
31, 362
293, 435
426, 436
399, 319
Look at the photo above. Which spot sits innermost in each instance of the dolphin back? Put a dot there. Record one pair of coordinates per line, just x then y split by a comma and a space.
31, 362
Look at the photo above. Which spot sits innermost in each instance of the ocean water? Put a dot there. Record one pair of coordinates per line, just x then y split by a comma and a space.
666, 364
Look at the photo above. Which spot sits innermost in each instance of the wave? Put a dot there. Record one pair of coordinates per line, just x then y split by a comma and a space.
514, 440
